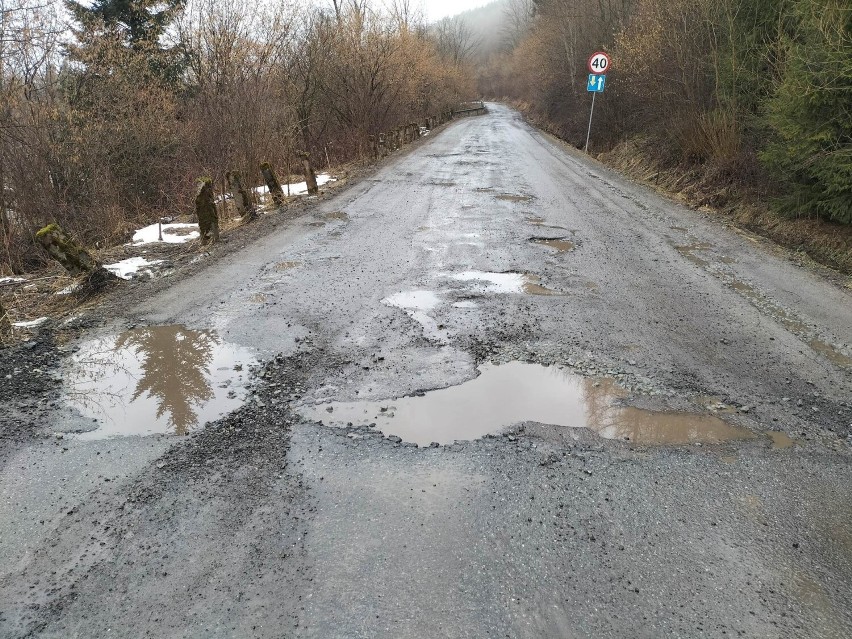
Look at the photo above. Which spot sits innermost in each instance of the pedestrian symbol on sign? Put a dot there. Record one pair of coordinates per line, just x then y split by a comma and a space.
596, 83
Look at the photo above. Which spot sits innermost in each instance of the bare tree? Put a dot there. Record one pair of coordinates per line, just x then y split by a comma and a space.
456, 40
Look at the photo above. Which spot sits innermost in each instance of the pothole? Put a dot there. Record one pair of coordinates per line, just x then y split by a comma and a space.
779, 439
513, 197
561, 244
508, 394
286, 266
511, 282
689, 250
540, 221
417, 305
156, 379
337, 215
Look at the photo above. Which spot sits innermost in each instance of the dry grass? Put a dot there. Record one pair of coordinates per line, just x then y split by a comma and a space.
720, 186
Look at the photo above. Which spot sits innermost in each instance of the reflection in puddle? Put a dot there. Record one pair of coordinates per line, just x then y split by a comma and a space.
780, 440
489, 282
559, 243
511, 197
156, 379
516, 392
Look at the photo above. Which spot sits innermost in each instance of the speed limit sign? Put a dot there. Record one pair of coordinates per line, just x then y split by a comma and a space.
599, 63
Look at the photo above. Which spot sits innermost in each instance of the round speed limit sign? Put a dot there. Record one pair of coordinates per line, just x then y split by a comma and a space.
599, 63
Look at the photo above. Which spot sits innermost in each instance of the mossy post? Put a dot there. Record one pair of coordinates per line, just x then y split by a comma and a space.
310, 176
242, 201
75, 259
205, 211
272, 184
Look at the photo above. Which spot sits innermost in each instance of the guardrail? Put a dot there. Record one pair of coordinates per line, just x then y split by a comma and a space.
470, 108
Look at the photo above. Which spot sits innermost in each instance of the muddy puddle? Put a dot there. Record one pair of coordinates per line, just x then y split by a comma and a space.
156, 379
540, 221
513, 197
286, 266
511, 282
779, 439
561, 244
337, 215
689, 252
508, 394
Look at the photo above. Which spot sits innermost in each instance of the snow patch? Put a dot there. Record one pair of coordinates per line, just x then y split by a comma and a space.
126, 268
172, 234
31, 323
298, 188
11, 280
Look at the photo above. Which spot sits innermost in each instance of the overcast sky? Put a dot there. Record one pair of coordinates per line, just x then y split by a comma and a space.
437, 9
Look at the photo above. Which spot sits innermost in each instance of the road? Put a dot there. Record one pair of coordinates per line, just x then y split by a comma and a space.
661, 507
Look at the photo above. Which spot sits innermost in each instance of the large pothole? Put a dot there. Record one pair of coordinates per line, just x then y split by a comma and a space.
508, 394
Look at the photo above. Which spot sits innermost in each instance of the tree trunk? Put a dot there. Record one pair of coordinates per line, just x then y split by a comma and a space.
310, 176
74, 258
205, 211
272, 184
242, 201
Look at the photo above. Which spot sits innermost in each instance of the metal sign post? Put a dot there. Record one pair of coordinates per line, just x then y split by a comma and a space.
591, 113
598, 65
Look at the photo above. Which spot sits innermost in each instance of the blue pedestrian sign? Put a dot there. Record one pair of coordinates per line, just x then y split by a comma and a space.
596, 83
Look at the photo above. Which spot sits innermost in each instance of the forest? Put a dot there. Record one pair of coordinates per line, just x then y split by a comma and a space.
747, 97
110, 111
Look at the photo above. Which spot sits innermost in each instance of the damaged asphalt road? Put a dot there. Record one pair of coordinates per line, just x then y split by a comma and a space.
487, 245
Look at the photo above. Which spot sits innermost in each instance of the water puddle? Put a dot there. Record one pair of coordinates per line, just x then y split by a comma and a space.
779, 439
508, 394
511, 282
511, 197
532, 286
337, 215
417, 305
286, 266
540, 221
561, 244
156, 379
689, 250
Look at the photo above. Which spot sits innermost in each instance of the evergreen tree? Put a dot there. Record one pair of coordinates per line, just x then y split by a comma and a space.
137, 26
811, 112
